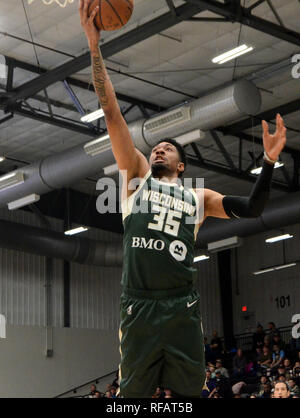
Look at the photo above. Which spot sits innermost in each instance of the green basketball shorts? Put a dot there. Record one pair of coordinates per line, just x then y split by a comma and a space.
161, 343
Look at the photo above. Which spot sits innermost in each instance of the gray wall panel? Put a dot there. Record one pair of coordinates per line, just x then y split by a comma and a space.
261, 294
95, 296
209, 290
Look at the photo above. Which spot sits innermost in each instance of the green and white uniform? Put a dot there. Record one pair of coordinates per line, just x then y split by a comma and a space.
160, 332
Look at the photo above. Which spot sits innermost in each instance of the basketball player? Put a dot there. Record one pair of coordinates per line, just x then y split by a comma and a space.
161, 333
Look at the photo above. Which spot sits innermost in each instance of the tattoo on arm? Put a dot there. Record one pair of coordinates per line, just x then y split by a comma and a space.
100, 78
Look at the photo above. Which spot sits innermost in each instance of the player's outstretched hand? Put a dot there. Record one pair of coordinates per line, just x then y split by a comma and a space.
275, 143
87, 22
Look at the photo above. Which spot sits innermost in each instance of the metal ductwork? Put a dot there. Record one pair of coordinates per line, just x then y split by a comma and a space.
53, 244
279, 212
64, 169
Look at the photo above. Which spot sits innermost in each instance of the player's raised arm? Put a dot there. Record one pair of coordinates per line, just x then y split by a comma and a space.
220, 206
127, 156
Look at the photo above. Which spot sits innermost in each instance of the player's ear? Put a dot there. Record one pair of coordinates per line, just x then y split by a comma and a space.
180, 167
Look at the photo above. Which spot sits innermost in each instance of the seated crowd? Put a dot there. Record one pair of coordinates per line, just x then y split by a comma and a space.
270, 369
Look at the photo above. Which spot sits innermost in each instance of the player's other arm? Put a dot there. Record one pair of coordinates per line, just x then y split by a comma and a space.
221, 206
126, 155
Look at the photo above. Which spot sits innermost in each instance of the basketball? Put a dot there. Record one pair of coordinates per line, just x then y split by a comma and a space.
112, 14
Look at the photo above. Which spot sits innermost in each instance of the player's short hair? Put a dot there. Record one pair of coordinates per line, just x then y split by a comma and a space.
179, 148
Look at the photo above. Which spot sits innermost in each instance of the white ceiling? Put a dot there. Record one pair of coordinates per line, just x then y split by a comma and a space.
179, 58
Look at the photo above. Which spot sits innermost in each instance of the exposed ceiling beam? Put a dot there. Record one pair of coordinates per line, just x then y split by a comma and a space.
108, 49
243, 15
235, 174
14, 63
60, 123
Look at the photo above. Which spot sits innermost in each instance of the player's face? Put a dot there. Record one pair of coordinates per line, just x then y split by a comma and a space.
164, 159
281, 391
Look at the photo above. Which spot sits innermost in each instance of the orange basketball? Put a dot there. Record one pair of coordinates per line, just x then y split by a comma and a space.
112, 14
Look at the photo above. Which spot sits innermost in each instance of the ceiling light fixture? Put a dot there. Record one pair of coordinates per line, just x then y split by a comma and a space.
76, 230
90, 117
201, 258
279, 238
97, 146
61, 3
275, 268
258, 170
232, 54
11, 179
24, 201
2, 158
111, 169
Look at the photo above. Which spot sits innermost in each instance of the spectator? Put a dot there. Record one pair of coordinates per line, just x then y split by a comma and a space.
221, 369
210, 384
159, 393
263, 380
216, 346
115, 383
278, 341
113, 392
281, 390
277, 357
239, 364
294, 388
288, 366
265, 359
93, 391
258, 338
296, 370
272, 330
266, 393
223, 388
268, 342
168, 393
209, 356
97, 394
107, 394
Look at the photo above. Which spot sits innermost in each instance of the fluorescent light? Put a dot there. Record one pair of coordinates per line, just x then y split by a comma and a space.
90, 117
283, 266
263, 271
11, 179
76, 230
224, 244
111, 169
232, 54
189, 137
2, 158
201, 258
259, 169
97, 146
24, 201
279, 238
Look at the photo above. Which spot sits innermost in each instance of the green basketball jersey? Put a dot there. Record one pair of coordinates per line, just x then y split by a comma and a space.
160, 227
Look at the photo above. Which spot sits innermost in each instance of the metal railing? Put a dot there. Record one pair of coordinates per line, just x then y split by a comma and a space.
74, 392
245, 341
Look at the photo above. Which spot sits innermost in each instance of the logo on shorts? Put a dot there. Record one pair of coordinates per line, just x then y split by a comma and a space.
129, 310
178, 250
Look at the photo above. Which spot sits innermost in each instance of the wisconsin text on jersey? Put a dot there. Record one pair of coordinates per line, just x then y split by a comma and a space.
169, 201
